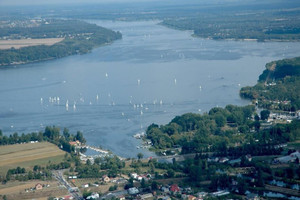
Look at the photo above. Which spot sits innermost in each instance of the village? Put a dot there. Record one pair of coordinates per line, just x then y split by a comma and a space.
160, 185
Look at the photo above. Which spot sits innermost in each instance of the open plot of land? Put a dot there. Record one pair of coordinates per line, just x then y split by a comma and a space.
28, 155
17, 44
102, 188
16, 190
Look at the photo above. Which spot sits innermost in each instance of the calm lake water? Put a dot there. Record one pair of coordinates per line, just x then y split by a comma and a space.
150, 76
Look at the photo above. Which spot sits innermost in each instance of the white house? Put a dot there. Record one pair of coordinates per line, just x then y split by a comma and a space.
133, 191
93, 196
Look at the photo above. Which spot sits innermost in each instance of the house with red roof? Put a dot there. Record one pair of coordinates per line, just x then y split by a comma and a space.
174, 188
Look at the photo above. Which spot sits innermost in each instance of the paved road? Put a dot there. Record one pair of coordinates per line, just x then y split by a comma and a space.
180, 157
58, 175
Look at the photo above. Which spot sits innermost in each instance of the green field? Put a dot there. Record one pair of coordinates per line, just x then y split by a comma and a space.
28, 155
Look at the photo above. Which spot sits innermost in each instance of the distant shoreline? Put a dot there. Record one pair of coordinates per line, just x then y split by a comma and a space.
51, 39
47, 59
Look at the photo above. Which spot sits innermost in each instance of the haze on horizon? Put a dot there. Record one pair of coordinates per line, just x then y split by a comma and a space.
70, 2
74, 2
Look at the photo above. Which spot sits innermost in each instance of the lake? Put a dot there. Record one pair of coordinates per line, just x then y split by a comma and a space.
150, 76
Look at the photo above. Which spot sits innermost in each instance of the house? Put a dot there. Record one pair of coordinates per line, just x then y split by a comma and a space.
252, 196
134, 175
220, 193
161, 197
234, 182
69, 197
295, 154
38, 186
133, 191
93, 196
121, 181
290, 158
105, 178
75, 143
147, 196
122, 198
249, 157
165, 189
201, 194
223, 160
72, 177
187, 190
191, 197
174, 188
184, 197
139, 178
213, 159
235, 162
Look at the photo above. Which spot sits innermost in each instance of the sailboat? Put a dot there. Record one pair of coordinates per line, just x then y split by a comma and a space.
67, 105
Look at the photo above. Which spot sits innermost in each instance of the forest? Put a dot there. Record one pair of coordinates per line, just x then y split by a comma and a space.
278, 86
255, 22
79, 38
229, 131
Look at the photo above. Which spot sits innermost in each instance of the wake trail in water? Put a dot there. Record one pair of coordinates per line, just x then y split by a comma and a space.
31, 87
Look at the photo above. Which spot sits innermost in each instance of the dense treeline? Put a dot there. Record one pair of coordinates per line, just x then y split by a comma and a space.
29, 176
24, 138
51, 134
38, 172
280, 69
265, 142
53, 28
230, 25
79, 37
278, 86
229, 131
110, 166
196, 132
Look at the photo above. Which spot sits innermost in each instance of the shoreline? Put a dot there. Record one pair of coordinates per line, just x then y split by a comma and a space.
15, 64
228, 39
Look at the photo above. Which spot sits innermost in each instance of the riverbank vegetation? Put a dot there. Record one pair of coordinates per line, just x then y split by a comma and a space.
235, 148
242, 21
236, 130
241, 26
230, 131
79, 37
278, 86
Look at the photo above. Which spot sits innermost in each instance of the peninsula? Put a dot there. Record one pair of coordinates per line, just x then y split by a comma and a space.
34, 40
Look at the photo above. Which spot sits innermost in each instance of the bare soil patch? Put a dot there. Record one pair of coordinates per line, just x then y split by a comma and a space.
17, 44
